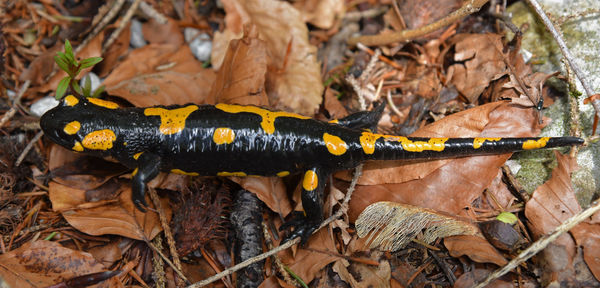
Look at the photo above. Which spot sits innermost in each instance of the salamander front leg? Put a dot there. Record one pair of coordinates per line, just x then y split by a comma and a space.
148, 168
304, 224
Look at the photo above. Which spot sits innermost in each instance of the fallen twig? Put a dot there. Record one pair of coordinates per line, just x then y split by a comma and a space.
13, 109
565, 51
122, 25
389, 38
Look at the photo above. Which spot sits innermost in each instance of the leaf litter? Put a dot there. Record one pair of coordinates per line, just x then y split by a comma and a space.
268, 53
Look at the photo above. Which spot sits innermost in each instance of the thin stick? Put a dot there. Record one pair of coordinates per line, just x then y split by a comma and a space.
13, 109
405, 35
565, 51
338, 213
114, 10
28, 147
541, 243
122, 25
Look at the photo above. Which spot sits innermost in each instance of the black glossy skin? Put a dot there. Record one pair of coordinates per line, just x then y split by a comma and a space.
291, 143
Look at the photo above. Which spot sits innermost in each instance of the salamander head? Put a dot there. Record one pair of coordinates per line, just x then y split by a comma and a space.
81, 125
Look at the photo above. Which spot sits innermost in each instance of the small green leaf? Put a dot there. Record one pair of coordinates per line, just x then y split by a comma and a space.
62, 87
507, 217
89, 62
98, 91
61, 63
76, 87
87, 86
68, 48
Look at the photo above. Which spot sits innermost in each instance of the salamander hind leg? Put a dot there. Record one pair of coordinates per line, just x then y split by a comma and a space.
304, 224
363, 119
148, 168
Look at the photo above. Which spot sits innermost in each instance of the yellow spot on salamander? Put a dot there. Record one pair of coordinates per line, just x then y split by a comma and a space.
368, 139
72, 127
103, 103
311, 180
367, 142
137, 155
335, 145
283, 173
71, 100
172, 121
268, 117
535, 144
223, 136
134, 172
99, 140
478, 142
77, 147
181, 172
238, 174
334, 121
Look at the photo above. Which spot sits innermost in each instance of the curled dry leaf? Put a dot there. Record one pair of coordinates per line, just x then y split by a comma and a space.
158, 33
364, 275
160, 74
391, 226
475, 247
481, 63
306, 263
321, 13
241, 78
44, 263
447, 185
119, 218
270, 190
294, 79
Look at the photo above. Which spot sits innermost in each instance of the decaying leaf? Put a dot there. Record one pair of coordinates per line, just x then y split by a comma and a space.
241, 78
474, 247
321, 13
552, 204
393, 225
294, 78
160, 74
482, 64
44, 263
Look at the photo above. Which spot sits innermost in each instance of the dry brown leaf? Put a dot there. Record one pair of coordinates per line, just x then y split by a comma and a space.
475, 247
365, 276
40, 67
294, 77
308, 262
453, 184
333, 105
169, 33
114, 52
482, 63
471, 278
588, 236
241, 78
160, 74
270, 190
321, 13
44, 263
552, 204
120, 217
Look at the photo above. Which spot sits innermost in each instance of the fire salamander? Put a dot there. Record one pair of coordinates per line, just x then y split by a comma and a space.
235, 140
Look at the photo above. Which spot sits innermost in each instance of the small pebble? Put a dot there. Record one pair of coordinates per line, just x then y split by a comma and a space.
41, 106
137, 37
200, 43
